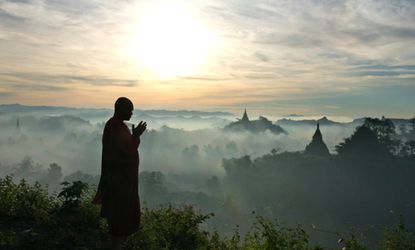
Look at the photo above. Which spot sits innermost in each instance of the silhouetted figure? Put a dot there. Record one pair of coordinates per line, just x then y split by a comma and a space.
118, 186
317, 145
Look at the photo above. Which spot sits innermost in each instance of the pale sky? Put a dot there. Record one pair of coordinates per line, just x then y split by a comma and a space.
344, 58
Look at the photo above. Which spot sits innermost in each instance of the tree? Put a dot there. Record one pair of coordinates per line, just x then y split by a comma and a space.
403, 129
152, 188
412, 121
385, 133
26, 168
363, 142
411, 147
53, 177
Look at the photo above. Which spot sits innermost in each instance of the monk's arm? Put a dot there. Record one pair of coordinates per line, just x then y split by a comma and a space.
124, 140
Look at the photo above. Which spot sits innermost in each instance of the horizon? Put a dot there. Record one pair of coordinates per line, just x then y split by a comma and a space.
338, 58
252, 115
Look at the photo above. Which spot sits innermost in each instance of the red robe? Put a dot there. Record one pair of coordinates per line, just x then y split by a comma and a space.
118, 186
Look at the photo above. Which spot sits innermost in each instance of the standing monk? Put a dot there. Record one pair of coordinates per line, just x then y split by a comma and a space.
118, 186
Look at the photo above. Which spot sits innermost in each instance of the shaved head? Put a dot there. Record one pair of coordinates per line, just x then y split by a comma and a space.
123, 103
123, 108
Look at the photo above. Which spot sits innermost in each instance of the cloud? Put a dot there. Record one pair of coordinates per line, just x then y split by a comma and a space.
381, 70
381, 73
40, 80
10, 19
203, 78
386, 67
6, 94
261, 56
73, 7
38, 87
266, 49
20, 1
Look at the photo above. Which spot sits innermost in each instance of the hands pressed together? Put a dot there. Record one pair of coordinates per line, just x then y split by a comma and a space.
141, 127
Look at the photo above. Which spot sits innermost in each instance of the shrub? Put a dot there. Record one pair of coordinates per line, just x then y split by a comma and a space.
30, 219
171, 228
398, 238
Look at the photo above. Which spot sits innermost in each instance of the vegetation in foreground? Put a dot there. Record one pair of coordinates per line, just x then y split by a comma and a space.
32, 219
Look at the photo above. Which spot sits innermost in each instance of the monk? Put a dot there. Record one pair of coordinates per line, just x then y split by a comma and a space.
118, 187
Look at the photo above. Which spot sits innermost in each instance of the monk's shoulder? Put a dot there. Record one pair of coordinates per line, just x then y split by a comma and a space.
114, 125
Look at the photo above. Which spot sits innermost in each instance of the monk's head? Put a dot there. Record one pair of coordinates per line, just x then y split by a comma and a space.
123, 108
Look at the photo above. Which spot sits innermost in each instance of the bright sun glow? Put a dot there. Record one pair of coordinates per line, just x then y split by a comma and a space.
169, 41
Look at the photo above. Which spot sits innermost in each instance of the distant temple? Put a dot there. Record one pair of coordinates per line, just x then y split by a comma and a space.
17, 124
245, 117
17, 127
254, 126
317, 146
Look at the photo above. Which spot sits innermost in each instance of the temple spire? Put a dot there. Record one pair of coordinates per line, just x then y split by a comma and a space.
245, 117
317, 145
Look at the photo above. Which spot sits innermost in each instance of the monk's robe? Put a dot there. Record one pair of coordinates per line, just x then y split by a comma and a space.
118, 186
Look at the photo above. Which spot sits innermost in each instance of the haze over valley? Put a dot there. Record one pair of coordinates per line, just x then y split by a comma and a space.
295, 169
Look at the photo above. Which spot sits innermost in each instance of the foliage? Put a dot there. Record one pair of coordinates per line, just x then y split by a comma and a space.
399, 238
171, 228
270, 235
385, 132
22, 201
72, 194
363, 140
352, 243
30, 219
21, 207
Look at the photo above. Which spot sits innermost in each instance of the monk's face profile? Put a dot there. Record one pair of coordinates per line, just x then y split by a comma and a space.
124, 109
126, 113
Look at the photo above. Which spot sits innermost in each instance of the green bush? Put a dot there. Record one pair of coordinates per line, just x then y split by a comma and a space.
270, 235
31, 219
399, 238
171, 228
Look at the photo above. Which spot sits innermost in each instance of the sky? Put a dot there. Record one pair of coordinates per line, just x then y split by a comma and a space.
345, 58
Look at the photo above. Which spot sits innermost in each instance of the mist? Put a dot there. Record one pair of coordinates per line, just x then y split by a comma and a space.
193, 145
191, 158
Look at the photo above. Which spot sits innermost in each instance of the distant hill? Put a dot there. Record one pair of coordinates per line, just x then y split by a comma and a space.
322, 121
18, 108
396, 121
294, 115
326, 122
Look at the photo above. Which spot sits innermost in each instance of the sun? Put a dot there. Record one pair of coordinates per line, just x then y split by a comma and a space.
169, 41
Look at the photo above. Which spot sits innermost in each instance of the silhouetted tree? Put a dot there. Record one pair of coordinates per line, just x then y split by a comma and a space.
412, 121
26, 168
81, 176
411, 147
405, 150
53, 177
363, 142
213, 185
152, 187
384, 130
403, 130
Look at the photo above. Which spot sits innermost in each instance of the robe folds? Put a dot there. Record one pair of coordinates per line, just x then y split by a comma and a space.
118, 185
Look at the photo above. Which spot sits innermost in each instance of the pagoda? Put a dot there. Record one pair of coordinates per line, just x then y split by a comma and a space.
317, 146
245, 117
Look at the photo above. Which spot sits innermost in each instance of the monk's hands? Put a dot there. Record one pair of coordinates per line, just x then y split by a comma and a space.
141, 127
